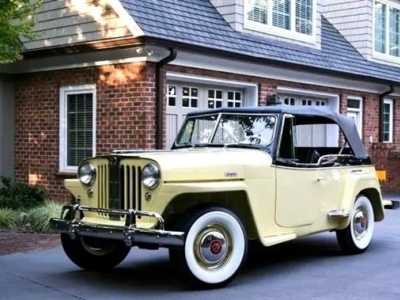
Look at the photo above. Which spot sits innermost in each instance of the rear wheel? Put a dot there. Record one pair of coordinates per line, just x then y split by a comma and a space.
357, 236
94, 254
215, 248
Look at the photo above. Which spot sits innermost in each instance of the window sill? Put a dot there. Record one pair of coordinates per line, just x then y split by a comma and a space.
282, 33
386, 57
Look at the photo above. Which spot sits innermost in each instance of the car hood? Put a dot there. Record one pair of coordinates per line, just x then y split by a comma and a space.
205, 164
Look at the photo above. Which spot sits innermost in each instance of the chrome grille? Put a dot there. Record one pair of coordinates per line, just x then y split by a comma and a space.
130, 178
119, 186
102, 185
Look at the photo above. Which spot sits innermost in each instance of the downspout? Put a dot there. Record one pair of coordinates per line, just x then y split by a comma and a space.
381, 107
160, 97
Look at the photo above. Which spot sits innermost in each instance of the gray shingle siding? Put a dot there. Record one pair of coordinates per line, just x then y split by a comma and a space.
353, 19
198, 23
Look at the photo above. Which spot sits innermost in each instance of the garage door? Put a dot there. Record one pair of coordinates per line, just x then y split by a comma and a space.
309, 135
183, 98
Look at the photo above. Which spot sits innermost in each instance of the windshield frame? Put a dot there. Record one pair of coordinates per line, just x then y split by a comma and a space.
217, 123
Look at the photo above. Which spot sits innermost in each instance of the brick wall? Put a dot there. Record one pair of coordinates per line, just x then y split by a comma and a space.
126, 117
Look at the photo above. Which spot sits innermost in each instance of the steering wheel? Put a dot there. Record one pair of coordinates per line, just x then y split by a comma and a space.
255, 139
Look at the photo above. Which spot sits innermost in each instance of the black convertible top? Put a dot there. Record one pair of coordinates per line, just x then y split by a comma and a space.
322, 114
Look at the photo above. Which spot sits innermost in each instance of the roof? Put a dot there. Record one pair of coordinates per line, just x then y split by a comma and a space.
198, 23
321, 113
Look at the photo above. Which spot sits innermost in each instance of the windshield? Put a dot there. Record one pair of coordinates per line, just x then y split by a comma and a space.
228, 129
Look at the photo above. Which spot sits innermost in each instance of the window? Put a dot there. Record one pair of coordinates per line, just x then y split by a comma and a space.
77, 125
387, 28
387, 121
284, 17
354, 110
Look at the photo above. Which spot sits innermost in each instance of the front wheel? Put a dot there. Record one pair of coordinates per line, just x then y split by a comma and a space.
94, 254
357, 236
215, 248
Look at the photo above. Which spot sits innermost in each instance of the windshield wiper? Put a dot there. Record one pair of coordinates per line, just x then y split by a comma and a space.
198, 145
242, 145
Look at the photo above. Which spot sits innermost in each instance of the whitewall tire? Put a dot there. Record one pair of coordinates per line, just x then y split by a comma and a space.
215, 248
357, 236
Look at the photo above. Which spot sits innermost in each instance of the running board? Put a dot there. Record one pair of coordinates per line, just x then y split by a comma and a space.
338, 213
277, 239
391, 204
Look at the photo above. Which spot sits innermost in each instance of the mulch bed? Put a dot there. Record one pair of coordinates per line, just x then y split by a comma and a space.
12, 242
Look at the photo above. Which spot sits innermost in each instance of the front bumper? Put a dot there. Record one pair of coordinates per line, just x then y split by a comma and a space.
130, 234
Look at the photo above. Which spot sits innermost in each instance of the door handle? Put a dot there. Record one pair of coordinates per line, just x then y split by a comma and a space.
318, 179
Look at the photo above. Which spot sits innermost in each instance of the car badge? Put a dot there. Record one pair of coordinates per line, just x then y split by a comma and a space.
231, 174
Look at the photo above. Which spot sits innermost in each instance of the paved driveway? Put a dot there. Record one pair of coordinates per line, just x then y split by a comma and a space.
311, 268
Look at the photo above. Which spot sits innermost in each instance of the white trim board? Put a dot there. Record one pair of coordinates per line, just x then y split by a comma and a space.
188, 59
126, 18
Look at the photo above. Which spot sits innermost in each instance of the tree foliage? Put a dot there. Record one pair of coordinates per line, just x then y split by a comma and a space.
16, 23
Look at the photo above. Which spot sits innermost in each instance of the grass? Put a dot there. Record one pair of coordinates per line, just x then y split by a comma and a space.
35, 219
9, 218
38, 218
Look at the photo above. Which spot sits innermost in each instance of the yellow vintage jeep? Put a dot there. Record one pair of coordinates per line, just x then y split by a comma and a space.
270, 174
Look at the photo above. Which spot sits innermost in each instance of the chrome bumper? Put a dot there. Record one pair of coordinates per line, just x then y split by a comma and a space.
129, 233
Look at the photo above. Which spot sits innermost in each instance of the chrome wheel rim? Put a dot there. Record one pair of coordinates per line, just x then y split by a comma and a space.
360, 222
97, 247
213, 247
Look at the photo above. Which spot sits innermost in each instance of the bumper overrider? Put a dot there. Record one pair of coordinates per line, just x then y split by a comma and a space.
129, 233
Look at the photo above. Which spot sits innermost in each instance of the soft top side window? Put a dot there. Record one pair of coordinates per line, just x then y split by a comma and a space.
305, 142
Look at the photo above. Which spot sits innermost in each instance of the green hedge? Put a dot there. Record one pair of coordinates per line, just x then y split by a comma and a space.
20, 196
25, 206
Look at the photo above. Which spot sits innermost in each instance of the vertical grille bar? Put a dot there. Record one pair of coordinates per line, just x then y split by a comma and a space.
139, 188
102, 186
133, 184
127, 177
105, 185
132, 189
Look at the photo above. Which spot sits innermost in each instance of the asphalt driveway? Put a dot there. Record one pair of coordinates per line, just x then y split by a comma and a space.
310, 268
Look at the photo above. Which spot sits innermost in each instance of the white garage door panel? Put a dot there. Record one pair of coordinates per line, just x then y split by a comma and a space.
309, 135
172, 128
186, 97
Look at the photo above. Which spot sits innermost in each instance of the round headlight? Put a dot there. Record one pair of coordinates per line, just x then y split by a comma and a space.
87, 173
151, 176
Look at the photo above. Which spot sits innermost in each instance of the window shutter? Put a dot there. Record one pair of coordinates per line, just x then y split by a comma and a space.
394, 32
380, 27
257, 11
304, 16
80, 128
281, 14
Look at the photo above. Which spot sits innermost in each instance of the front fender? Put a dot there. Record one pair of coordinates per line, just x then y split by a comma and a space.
75, 188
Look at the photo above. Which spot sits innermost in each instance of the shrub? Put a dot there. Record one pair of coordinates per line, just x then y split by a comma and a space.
8, 218
20, 196
38, 218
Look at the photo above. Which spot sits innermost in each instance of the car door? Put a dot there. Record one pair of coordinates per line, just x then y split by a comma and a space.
300, 189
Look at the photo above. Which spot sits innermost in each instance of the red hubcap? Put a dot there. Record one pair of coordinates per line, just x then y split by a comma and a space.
215, 247
363, 222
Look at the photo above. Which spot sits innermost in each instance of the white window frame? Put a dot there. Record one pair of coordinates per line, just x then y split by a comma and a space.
64, 92
391, 120
375, 54
290, 34
359, 111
